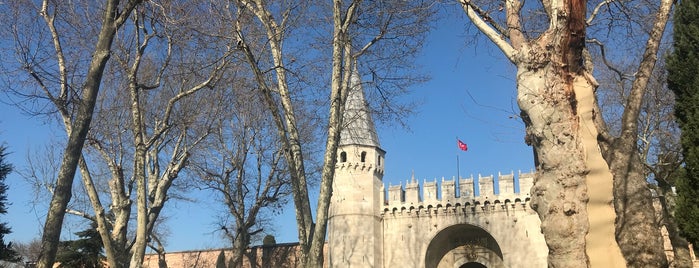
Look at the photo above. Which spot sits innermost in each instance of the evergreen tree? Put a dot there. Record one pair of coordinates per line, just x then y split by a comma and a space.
85, 252
6, 251
683, 80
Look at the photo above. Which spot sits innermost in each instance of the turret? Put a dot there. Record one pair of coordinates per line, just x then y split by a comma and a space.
357, 200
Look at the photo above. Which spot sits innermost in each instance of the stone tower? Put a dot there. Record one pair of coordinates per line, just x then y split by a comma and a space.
355, 228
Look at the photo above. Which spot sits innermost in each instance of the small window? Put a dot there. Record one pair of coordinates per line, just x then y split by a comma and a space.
343, 157
363, 157
379, 163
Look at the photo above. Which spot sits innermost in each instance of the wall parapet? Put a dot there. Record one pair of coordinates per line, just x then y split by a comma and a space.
468, 195
359, 166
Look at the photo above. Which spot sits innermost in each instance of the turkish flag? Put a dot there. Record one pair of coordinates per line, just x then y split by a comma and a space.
462, 145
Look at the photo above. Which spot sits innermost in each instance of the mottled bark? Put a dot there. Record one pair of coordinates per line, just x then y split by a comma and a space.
568, 168
555, 94
573, 188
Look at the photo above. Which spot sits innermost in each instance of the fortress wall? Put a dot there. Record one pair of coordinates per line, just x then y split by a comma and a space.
506, 183
526, 181
515, 227
466, 187
412, 192
485, 186
430, 193
447, 191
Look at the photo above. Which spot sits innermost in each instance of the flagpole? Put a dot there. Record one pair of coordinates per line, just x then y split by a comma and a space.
458, 170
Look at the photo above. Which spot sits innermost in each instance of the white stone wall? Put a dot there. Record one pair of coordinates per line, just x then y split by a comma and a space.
354, 231
411, 221
408, 233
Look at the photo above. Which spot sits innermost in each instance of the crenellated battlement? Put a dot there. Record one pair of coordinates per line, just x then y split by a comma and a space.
469, 195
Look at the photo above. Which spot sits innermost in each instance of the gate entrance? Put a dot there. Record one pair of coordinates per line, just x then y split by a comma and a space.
463, 246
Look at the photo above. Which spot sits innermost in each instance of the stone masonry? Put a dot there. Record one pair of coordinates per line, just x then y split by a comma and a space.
430, 225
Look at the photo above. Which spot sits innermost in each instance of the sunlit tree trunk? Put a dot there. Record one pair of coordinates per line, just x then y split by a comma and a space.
283, 113
637, 232
581, 172
113, 18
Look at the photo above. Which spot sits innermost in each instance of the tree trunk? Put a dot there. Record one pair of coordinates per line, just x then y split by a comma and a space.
239, 246
576, 183
100, 216
284, 117
139, 168
637, 232
570, 171
343, 62
139, 246
111, 21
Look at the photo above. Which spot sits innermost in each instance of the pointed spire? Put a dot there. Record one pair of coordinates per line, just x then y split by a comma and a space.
358, 125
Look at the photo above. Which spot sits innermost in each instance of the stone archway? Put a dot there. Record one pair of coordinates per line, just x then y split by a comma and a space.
463, 246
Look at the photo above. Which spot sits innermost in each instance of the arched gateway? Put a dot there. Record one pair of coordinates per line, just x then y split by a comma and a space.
432, 225
463, 245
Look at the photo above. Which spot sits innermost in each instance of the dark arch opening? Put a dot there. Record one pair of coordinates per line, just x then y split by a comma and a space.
363, 157
473, 265
457, 236
343, 157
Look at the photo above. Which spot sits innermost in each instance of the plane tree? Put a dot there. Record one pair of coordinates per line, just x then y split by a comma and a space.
150, 113
64, 86
658, 138
581, 167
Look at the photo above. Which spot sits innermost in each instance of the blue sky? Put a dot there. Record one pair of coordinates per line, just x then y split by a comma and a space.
471, 95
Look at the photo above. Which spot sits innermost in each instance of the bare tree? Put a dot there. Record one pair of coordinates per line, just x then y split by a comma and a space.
658, 137
59, 90
581, 167
140, 141
375, 31
243, 164
165, 115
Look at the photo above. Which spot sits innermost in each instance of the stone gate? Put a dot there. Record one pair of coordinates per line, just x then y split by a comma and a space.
493, 229
465, 223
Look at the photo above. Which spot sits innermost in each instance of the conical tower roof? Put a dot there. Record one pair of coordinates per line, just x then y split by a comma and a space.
358, 125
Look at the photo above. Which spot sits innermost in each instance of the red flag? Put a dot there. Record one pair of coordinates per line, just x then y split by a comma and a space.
462, 145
